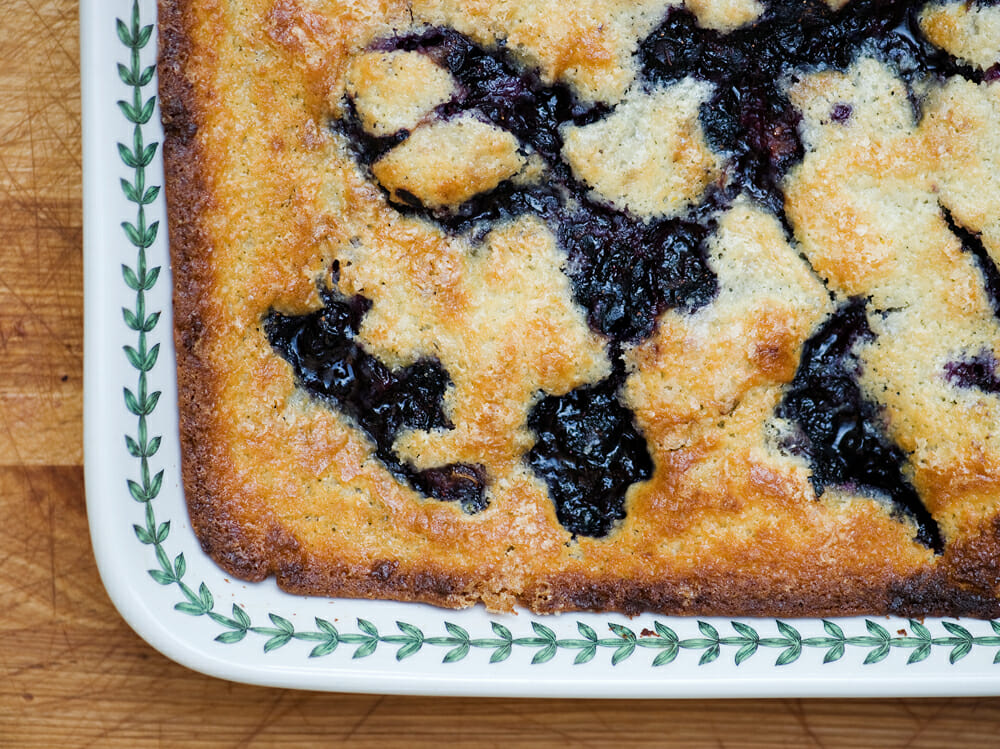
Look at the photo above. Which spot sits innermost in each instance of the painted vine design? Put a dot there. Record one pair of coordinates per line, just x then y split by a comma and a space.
410, 640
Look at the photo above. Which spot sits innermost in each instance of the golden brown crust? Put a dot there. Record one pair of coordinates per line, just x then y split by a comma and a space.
448, 163
279, 484
970, 32
649, 156
225, 539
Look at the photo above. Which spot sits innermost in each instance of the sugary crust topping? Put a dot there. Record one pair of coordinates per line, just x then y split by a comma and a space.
725, 15
649, 156
446, 163
267, 191
867, 206
518, 334
959, 129
748, 338
394, 91
588, 43
970, 32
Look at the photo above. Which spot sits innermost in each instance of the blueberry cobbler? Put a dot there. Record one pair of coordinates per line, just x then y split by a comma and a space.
633, 305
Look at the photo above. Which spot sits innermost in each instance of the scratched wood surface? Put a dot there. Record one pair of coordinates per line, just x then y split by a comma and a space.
73, 674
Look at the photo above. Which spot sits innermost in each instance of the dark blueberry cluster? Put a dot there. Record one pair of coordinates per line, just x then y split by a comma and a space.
330, 364
758, 128
588, 453
980, 371
839, 429
626, 273
790, 34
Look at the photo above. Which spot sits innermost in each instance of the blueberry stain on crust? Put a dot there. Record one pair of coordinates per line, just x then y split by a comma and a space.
839, 431
330, 364
366, 148
493, 86
972, 243
981, 371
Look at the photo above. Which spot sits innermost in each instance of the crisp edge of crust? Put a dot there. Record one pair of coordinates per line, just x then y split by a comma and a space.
187, 195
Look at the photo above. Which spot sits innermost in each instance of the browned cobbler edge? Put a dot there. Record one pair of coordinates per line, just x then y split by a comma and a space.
960, 583
246, 555
935, 594
186, 195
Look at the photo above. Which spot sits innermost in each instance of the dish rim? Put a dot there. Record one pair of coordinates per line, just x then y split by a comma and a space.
129, 384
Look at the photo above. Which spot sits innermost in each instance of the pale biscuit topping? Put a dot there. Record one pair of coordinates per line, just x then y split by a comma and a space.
446, 163
962, 137
968, 31
649, 156
394, 91
851, 240
725, 15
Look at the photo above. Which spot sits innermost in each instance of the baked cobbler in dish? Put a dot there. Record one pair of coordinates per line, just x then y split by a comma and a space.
688, 307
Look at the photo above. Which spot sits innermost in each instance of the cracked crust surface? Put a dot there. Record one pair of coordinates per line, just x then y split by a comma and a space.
263, 196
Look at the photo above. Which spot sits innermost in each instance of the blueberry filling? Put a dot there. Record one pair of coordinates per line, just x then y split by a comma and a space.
626, 273
790, 34
758, 127
457, 482
980, 371
839, 430
493, 86
366, 148
588, 453
480, 214
331, 365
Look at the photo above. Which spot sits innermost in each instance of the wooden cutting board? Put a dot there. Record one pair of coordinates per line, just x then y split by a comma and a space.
73, 674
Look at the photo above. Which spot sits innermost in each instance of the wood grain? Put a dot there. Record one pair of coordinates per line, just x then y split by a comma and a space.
41, 288
73, 674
